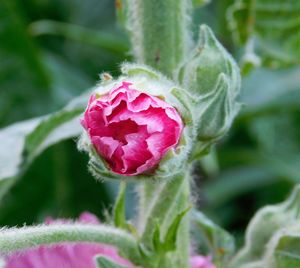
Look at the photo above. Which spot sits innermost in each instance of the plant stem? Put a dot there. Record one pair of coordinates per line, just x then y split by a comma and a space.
18, 239
159, 32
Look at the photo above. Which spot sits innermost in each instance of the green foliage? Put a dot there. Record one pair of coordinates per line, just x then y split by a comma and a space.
273, 26
24, 141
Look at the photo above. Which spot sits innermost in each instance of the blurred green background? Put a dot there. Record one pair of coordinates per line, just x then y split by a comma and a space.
52, 51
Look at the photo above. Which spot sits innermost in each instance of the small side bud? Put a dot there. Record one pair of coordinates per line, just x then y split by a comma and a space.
219, 114
201, 71
213, 78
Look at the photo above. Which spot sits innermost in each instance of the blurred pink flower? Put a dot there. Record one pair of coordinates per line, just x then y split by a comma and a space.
64, 255
201, 262
130, 129
67, 254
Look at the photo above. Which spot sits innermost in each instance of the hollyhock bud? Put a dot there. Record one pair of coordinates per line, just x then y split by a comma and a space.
212, 75
130, 129
132, 124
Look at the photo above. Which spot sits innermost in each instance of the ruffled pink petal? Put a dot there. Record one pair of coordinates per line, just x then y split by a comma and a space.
136, 151
105, 146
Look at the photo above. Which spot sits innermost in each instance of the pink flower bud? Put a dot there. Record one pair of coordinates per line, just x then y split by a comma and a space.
130, 129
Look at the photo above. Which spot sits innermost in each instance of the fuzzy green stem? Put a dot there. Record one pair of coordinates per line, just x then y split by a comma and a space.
169, 199
161, 203
182, 254
15, 239
159, 32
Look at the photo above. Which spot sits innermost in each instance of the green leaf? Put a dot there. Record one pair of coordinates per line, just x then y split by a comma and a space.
281, 92
220, 243
106, 41
22, 142
119, 208
264, 225
157, 244
272, 25
170, 239
34, 141
105, 262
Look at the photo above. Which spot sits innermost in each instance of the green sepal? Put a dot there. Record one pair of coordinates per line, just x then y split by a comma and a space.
105, 262
157, 244
199, 73
218, 241
219, 113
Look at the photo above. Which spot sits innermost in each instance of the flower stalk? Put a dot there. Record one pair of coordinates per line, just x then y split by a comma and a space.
12, 240
160, 38
159, 32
